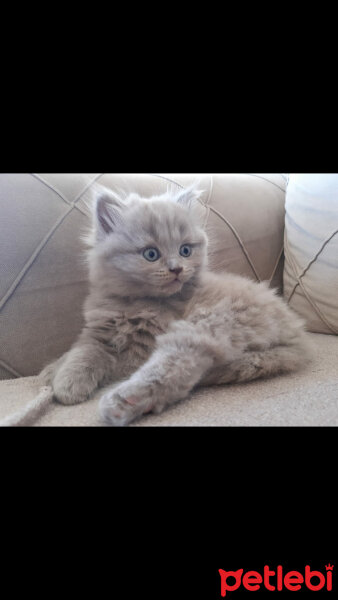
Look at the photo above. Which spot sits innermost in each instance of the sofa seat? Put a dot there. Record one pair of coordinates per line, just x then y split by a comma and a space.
306, 398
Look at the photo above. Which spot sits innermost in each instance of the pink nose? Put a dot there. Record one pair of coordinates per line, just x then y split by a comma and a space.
177, 270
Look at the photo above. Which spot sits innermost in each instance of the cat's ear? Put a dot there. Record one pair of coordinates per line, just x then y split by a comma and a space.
107, 213
188, 196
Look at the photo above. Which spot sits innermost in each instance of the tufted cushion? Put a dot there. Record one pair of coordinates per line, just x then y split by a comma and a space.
43, 279
311, 249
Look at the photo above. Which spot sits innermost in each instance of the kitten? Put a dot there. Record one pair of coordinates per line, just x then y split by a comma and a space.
158, 323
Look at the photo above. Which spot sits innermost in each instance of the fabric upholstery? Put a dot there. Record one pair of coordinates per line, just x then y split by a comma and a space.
311, 250
43, 278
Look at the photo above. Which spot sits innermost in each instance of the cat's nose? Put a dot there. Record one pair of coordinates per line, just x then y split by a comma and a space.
176, 270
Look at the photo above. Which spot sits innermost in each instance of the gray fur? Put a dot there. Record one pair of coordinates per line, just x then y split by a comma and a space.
149, 340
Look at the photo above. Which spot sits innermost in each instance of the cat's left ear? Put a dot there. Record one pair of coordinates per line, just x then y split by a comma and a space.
107, 213
188, 196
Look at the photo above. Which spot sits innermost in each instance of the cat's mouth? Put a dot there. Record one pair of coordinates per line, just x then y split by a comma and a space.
174, 283
171, 286
176, 280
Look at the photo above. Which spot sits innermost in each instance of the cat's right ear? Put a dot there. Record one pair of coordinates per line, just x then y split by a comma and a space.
107, 214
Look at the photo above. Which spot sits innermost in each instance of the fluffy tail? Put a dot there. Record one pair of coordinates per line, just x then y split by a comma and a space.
27, 414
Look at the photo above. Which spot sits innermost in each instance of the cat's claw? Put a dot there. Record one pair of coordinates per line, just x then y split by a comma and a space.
119, 409
114, 410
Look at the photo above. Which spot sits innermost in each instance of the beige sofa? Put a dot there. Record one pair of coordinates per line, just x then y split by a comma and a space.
43, 284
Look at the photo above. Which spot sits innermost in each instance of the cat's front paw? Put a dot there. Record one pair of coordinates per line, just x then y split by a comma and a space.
70, 390
120, 405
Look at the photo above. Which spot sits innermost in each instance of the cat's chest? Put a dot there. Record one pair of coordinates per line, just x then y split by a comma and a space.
132, 332
137, 331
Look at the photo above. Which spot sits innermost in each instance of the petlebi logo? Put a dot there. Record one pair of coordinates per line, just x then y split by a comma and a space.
277, 580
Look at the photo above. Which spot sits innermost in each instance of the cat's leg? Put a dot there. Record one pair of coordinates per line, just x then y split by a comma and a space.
187, 357
179, 361
255, 364
80, 372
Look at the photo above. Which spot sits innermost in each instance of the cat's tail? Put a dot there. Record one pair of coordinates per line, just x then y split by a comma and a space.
23, 417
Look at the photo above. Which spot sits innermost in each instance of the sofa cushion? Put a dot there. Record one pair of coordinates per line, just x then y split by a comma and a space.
311, 250
43, 278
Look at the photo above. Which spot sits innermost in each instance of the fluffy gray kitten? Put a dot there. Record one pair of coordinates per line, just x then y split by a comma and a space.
158, 322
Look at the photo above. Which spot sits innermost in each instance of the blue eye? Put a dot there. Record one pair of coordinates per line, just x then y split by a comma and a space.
151, 254
185, 250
